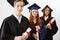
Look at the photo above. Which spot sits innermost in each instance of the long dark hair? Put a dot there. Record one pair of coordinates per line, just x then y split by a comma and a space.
48, 15
43, 10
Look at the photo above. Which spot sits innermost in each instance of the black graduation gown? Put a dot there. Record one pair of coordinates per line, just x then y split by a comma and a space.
41, 35
11, 27
33, 31
50, 32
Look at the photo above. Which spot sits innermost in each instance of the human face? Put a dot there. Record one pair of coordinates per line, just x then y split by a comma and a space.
47, 11
18, 6
34, 13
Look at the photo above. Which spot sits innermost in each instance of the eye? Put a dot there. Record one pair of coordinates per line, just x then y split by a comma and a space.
21, 6
33, 11
17, 5
46, 10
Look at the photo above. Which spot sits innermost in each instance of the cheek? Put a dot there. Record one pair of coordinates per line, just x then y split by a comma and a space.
34, 14
20, 8
46, 12
16, 8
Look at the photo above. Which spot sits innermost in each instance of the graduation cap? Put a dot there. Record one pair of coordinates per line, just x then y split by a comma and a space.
47, 7
11, 2
34, 7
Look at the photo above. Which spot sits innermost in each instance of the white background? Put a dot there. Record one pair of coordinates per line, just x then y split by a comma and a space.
6, 10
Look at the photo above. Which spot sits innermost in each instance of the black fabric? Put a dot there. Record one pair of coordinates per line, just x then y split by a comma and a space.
33, 31
42, 30
11, 27
11, 2
50, 32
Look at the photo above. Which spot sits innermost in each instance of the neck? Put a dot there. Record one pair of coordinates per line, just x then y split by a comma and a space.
34, 17
18, 14
46, 16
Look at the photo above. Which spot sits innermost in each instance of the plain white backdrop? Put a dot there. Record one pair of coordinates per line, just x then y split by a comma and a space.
6, 10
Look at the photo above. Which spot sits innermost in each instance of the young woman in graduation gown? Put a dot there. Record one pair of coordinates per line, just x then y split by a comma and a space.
15, 25
52, 28
36, 21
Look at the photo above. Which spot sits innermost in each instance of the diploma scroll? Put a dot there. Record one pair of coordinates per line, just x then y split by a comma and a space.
37, 31
27, 33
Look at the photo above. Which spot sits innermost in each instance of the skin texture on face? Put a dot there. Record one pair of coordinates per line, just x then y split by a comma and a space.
18, 6
34, 13
47, 11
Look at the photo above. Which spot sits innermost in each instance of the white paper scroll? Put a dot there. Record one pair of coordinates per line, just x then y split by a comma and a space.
37, 33
26, 34
52, 20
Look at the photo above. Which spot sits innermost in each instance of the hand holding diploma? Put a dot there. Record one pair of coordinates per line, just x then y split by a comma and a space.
37, 31
49, 24
24, 36
19, 38
27, 33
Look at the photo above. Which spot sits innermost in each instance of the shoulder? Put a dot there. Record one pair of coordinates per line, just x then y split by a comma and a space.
52, 18
25, 18
41, 18
8, 18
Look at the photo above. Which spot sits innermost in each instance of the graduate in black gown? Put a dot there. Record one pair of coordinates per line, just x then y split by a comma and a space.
15, 25
35, 22
52, 28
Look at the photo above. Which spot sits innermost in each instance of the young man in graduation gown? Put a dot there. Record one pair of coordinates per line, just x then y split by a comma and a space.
46, 18
15, 25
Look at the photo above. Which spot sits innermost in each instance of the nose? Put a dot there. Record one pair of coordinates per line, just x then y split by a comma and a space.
20, 7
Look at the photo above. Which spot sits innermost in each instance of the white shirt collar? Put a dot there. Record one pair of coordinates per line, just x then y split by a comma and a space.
46, 17
18, 17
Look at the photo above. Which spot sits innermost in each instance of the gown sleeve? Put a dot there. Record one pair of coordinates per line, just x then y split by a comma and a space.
54, 28
5, 31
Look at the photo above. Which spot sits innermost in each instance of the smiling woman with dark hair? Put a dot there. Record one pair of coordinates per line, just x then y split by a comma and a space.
49, 23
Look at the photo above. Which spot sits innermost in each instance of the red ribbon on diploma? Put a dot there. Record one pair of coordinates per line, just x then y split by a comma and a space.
28, 33
38, 31
50, 23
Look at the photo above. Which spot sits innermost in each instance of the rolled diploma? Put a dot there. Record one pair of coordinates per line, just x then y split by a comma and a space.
51, 22
26, 34
37, 33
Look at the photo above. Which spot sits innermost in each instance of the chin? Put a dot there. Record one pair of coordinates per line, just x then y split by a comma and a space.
19, 11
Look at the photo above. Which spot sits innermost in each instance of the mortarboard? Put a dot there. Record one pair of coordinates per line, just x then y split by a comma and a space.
46, 7
11, 2
34, 7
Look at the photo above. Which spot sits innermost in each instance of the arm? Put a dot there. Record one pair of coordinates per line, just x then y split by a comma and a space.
54, 28
5, 31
